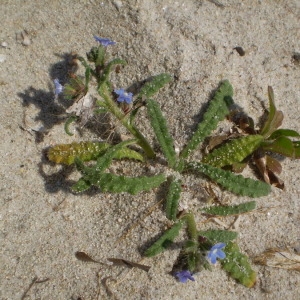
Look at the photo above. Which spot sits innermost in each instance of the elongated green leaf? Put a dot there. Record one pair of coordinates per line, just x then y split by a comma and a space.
237, 265
129, 154
80, 186
217, 110
173, 198
157, 82
233, 151
132, 185
217, 236
86, 151
281, 145
283, 132
231, 209
275, 116
104, 161
160, 128
297, 149
164, 241
234, 183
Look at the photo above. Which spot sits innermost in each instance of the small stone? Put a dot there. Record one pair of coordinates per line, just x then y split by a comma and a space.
2, 58
4, 45
26, 40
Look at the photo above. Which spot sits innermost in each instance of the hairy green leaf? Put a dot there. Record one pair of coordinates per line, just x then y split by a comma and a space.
86, 151
217, 236
234, 151
231, 209
234, 183
237, 265
160, 128
217, 110
104, 161
173, 198
157, 82
132, 185
164, 241
80, 186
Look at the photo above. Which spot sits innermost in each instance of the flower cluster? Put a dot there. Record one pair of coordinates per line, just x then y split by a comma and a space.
214, 253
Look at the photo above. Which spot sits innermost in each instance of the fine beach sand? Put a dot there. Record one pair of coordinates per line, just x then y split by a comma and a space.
42, 224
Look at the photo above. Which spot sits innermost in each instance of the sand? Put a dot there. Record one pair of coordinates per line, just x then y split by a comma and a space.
43, 224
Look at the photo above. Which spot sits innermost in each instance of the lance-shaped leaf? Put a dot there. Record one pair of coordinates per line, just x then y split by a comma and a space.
283, 132
233, 151
230, 209
234, 183
281, 145
275, 116
160, 128
80, 186
237, 265
132, 185
217, 236
85, 151
164, 241
151, 87
173, 198
217, 110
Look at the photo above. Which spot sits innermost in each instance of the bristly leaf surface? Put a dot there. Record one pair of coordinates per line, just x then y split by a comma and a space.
160, 128
217, 111
217, 236
231, 209
234, 151
132, 185
237, 265
173, 198
164, 241
234, 183
151, 87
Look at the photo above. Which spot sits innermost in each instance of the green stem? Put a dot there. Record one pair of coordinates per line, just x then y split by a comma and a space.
191, 226
119, 114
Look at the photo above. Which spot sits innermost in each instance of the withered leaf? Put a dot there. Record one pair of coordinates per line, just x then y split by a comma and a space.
129, 264
84, 257
279, 258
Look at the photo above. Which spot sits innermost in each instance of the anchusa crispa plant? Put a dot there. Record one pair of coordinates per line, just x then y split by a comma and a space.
201, 248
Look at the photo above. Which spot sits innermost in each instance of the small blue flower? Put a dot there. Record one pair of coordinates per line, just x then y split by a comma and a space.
216, 252
123, 96
104, 41
58, 87
184, 275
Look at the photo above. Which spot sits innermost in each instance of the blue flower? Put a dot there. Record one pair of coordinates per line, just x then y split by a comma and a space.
216, 252
123, 96
104, 41
184, 275
58, 87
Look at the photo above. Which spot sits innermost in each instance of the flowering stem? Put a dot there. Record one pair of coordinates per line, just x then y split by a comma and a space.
119, 114
191, 226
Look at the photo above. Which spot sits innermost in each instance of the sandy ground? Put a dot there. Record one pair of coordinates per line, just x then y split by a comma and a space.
43, 224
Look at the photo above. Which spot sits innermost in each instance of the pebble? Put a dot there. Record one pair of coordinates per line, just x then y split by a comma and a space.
2, 58
4, 45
